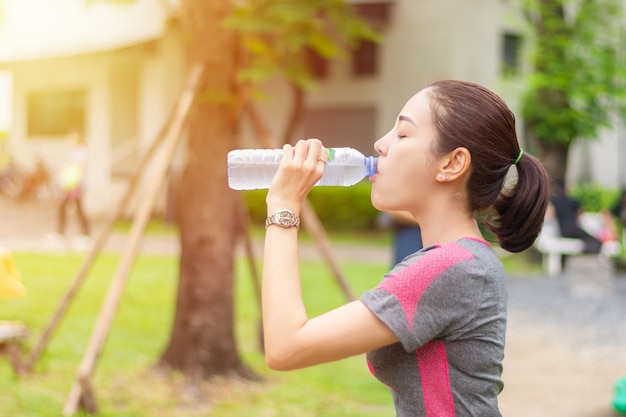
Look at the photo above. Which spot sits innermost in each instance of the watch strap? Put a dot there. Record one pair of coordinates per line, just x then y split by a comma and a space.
283, 218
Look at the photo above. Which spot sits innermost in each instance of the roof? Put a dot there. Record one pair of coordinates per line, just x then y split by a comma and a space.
36, 29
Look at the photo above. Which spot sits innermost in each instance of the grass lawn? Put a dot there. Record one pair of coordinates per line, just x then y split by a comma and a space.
124, 383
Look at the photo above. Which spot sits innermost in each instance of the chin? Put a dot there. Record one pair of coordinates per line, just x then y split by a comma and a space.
377, 196
374, 203
377, 203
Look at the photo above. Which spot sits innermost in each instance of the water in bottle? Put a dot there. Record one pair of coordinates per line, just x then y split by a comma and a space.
250, 169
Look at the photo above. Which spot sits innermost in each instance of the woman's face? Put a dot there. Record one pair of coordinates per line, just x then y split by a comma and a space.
406, 169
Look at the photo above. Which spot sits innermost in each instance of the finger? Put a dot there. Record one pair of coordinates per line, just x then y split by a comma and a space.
318, 155
316, 150
287, 152
300, 151
323, 155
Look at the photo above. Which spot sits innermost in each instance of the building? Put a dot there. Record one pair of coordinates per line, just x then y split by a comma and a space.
116, 71
113, 71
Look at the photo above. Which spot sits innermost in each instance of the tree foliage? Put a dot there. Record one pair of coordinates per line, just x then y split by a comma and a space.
279, 34
577, 83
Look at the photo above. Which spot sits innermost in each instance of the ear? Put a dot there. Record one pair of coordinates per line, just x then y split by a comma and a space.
455, 164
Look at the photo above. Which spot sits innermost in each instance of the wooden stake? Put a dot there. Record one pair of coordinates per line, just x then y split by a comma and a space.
314, 226
82, 393
96, 248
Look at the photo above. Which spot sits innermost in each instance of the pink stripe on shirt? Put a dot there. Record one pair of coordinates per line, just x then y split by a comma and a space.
433, 365
408, 284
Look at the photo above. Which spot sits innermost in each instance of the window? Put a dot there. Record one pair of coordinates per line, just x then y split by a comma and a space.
364, 59
55, 113
511, 54
376, 13
318, 65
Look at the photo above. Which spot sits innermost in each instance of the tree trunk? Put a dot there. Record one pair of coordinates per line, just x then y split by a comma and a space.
202, 341
552, 151
553, 155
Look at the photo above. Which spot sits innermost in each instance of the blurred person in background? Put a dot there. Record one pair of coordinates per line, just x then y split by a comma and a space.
406, 234
567, 212
71, 183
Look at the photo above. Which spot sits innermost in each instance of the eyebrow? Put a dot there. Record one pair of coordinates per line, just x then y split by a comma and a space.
406, 119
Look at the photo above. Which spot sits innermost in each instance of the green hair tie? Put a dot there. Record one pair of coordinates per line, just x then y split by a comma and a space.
521, 152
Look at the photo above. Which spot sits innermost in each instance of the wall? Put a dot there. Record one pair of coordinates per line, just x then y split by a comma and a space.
129, 95
423, 41
89, 73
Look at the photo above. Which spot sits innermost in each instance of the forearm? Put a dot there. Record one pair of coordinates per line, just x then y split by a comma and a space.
284, 313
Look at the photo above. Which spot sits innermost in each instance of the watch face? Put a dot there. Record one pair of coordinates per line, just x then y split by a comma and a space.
285, 218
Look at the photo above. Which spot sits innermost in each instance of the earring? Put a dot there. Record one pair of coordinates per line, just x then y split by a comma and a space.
447, 177
439, 176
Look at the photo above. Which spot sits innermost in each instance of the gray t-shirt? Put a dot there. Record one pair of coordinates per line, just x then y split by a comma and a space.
447, 306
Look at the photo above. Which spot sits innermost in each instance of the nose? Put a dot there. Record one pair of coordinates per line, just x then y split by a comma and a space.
382, 145
377, 147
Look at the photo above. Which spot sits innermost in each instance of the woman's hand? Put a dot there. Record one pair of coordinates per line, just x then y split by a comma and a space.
300, 169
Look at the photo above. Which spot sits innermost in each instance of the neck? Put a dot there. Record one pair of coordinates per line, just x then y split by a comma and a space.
443, 223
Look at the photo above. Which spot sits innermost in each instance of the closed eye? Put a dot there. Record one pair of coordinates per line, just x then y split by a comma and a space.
401, 134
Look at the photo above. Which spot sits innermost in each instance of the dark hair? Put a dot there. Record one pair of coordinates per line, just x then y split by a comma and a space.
471, 116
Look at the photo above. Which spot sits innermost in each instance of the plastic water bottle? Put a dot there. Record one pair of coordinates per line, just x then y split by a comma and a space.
250, 169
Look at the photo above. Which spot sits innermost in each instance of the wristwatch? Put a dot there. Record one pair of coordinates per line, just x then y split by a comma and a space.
283, 218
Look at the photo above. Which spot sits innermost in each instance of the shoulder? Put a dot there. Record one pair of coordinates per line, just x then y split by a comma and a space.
452, 261
460, 263
460, 251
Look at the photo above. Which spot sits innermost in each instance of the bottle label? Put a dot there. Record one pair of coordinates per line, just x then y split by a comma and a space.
331, 154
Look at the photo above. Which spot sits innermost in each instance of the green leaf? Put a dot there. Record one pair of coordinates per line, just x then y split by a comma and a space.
276, 32
578, 78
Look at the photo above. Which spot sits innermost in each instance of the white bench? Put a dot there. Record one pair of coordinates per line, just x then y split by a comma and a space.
552, 247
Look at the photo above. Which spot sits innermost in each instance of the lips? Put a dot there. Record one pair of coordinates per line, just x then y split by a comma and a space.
373, 177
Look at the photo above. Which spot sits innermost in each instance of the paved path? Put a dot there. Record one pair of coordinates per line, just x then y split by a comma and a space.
27, 226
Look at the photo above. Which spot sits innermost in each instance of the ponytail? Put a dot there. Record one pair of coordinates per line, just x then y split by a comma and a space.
520, 211
471, 116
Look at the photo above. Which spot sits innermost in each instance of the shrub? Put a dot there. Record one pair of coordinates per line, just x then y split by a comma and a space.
338, 208
593, 197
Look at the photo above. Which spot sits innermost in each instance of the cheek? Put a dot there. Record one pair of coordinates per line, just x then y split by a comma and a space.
406, 189
390, 194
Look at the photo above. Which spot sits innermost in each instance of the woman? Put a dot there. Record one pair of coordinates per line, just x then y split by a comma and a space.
434, 328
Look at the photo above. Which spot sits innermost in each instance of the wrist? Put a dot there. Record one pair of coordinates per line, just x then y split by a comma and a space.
284, 218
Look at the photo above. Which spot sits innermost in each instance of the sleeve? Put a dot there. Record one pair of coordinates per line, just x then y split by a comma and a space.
436, 296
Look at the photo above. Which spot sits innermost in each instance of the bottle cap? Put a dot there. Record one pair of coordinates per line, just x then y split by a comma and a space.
371, 165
